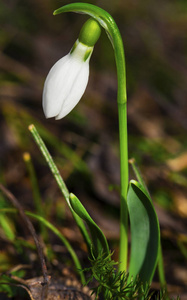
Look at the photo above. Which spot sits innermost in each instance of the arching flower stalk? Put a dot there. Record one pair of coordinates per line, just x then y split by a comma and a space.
67, 80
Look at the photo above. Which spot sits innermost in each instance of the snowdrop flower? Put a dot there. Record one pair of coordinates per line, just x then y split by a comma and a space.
68, 78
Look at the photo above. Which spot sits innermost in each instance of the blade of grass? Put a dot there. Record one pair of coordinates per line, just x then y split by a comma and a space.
6, 225
57, 233
60, 182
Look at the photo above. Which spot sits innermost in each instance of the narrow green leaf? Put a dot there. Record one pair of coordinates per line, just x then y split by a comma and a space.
8, 227
145, 233
100, 244
59, 180
139, 176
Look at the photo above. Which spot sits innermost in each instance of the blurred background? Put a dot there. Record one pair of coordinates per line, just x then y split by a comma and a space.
85, 143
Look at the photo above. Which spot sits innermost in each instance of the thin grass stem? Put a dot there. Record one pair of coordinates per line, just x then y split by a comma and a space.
64, 241
161, 272
60, 182
35, 190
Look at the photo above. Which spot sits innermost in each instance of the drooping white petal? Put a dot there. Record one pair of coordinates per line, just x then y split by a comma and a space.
76, 92
52, 88
66, 82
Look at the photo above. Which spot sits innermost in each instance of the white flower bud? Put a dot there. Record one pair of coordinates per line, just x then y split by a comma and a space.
66, 82
68, 78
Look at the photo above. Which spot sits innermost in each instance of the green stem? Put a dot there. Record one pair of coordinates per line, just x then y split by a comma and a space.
123, 142
124, 186
123, 145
